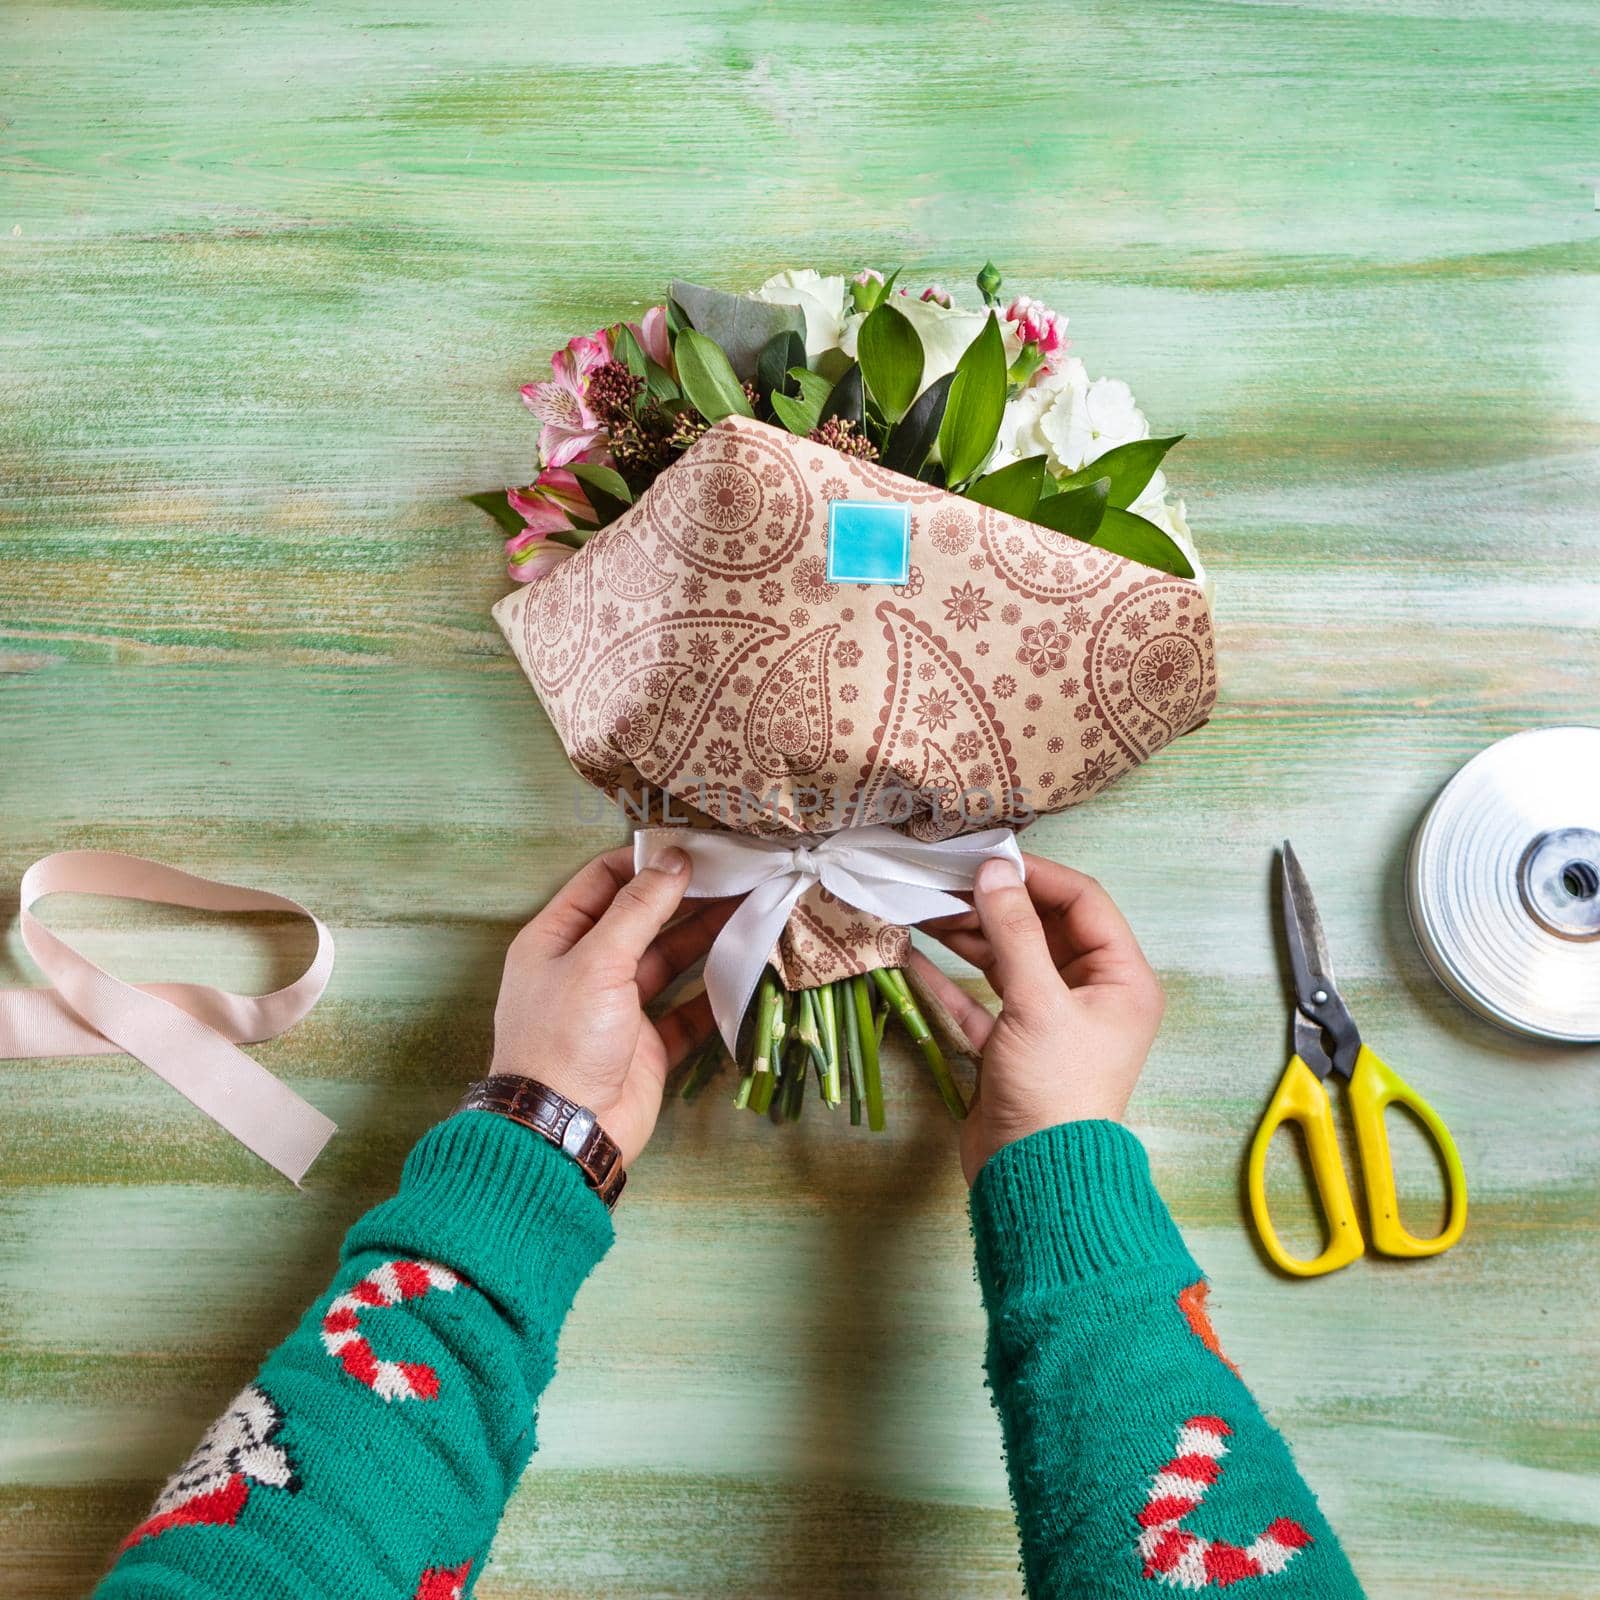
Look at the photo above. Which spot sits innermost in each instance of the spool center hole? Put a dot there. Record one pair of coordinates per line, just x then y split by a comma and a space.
1581, 879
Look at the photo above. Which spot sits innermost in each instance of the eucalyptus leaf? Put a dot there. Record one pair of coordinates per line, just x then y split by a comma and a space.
1130, 467
1076, 512
1125, 533
708, 379
913, 435
780, 353
608, 493
891, 360
977, 403
742, 326
848, 400
1014, 489
493, 503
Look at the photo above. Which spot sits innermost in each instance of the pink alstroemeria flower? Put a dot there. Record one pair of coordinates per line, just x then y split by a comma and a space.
571, 430
939, 296
1038, 324
539, 561
651, 332
551, 504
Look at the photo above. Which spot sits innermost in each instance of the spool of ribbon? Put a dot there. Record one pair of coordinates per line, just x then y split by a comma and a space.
874, 869
186, 1033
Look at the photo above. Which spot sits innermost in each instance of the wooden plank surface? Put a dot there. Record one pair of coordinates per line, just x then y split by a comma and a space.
269, 276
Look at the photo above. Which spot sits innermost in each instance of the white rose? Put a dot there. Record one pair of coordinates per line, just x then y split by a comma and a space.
1086, 422
945, 333
821, 299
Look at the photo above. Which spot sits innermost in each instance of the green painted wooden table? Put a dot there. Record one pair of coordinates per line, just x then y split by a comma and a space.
269, 276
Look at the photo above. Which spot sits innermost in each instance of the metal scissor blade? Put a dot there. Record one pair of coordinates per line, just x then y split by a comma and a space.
1315, 992
1308, 946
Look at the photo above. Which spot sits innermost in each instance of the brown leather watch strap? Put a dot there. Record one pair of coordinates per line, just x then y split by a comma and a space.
571, 1128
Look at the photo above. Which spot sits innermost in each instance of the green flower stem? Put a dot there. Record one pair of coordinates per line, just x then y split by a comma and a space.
897, 991
852, 1039
702, 1069
742, 1099
872, 1084
832, 1047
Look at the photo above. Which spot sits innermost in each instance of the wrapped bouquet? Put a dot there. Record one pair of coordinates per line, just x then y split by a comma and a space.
854, 584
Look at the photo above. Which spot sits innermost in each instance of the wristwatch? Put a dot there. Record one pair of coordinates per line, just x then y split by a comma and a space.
571, 1128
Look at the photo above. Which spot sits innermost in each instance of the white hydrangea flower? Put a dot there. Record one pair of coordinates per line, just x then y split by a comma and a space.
821, 299
1087, 421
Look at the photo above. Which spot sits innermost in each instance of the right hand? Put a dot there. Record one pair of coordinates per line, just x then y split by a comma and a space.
1079, 1004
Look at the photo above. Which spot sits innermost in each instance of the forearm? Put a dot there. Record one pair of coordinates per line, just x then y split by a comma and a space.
1120, 1414
374, 1452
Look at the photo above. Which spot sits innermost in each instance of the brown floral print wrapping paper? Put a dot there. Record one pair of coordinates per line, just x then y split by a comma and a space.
695, 649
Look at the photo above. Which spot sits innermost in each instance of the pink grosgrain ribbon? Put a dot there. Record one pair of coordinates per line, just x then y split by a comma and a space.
187, 1033
875, 868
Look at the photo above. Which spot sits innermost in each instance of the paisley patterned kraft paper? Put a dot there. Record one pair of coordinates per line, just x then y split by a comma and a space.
695, 649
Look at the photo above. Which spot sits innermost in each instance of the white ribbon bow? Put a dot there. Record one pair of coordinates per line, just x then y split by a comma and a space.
874, 869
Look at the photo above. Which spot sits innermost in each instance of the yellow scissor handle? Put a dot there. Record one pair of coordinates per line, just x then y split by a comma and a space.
1374, 1087
1301, 1098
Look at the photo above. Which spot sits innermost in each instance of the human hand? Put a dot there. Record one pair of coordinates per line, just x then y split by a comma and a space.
1079, 1004
577, 979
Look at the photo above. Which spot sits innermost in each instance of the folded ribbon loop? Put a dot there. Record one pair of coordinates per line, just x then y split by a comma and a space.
186, 1033
875, 869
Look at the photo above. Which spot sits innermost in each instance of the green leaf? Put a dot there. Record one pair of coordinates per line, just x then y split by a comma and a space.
795, 415
707, 378
977, 403
658, 384
913, 435
628, 350
1130, 467
608, 493
847, 400
742, 326
492, 502
677, 319
1076, 513
801, 415
891, 360
1126, 534
1014, 489
781, 352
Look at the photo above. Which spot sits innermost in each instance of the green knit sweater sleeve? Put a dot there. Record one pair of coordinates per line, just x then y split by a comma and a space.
1138, 1458
372, 1455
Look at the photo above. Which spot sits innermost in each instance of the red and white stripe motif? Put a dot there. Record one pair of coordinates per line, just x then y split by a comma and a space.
1185, 1560
388, 1285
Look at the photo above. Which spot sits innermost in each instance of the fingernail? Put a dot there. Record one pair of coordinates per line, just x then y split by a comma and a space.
672, 862
999, 874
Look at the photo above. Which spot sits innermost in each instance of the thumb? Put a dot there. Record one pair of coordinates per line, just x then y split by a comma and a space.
1022, 970
641, 908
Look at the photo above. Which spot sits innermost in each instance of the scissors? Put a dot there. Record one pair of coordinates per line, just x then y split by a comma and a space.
1321, 1019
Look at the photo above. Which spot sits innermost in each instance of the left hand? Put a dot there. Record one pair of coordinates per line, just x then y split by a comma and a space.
577, 979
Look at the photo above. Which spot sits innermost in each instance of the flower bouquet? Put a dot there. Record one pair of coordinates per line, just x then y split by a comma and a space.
853, 583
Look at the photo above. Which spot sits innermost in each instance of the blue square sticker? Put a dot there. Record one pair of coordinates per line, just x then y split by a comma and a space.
869, 541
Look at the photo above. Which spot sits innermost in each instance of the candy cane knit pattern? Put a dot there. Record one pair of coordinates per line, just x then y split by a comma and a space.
388, 1285
452, 1293
1185, 1560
